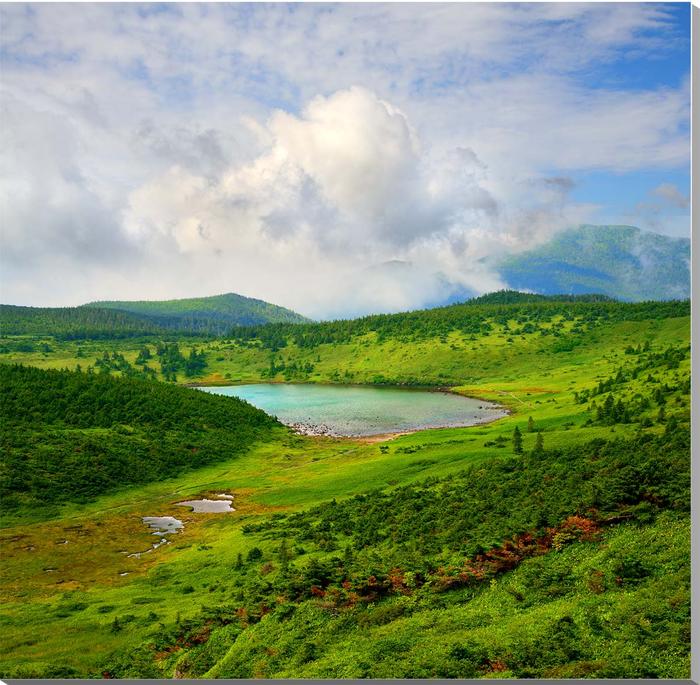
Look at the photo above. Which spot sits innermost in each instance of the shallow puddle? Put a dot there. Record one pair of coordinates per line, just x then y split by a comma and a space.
162, 526
208, 506
221, 505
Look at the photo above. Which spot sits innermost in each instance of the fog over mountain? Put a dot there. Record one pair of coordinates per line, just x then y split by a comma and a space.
620, 261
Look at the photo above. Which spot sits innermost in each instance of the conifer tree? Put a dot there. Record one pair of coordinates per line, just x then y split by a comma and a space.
539, 442
517, 441
283, 554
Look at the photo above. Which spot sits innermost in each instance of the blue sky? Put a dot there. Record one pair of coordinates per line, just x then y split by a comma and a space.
629, 198
667, 65
174, 150
620, 195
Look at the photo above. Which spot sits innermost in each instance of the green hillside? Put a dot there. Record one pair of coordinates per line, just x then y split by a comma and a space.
455, 345
205, 316
212, 315
408, 583
70, 436
621, 261
74, 323
551, 543
519, 314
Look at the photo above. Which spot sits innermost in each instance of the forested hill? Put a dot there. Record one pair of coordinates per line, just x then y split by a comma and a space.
99, 433
75, 323
113, 320
213, 315
622, 261
473, 317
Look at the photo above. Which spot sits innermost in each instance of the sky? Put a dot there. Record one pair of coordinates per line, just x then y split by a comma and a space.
336, 159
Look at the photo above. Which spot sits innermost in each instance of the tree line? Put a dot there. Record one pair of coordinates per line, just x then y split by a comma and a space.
532, 314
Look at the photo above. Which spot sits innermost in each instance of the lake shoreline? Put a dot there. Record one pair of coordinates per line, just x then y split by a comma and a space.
386, 437
375, 386
447, 389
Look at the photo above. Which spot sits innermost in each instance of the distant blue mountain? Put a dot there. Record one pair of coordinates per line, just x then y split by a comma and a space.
620, 261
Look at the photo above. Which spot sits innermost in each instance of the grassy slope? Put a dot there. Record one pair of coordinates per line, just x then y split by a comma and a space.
543, 612
54, 617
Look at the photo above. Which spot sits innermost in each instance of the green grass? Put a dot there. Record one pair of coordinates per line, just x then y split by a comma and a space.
45, 624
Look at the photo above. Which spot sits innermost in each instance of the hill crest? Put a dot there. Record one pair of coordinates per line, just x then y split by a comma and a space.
232, 308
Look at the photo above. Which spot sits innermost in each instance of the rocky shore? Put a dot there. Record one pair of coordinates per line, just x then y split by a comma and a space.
315, 429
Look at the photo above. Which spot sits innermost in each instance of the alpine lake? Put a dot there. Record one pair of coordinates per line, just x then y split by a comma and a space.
361, 411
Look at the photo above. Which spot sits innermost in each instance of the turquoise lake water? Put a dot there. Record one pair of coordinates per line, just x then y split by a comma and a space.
361, 411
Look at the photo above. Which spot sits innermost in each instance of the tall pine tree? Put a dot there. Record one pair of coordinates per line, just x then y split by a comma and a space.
517, 441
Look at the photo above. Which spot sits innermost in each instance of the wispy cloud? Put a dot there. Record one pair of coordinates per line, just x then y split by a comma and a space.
671, 194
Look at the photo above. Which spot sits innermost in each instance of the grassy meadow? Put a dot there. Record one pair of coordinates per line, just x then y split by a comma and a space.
222, 599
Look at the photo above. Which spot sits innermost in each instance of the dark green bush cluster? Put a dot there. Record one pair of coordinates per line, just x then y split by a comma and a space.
68, 436
478, 508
